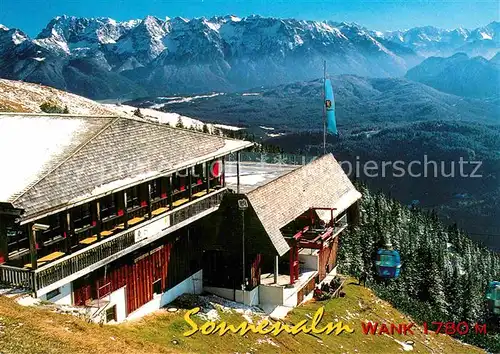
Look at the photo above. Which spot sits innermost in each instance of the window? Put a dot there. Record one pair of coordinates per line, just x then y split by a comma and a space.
387, 261
179, 180
52, 294
108, 206
17, 239
132, 197
157, 287
111, 314
156, 189
199, 173
81, 216
54, 233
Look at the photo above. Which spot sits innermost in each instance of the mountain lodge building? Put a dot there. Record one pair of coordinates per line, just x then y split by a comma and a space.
122, 215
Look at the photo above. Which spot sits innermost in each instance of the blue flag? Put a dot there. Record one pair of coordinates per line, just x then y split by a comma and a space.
330, 108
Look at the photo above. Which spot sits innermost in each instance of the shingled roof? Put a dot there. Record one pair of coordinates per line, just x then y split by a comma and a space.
54, 161
322, 183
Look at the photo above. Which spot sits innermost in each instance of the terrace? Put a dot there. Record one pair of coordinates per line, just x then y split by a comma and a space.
88, 236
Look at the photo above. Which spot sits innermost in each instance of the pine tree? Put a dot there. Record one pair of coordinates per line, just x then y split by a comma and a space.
138, 113
444, 273
179, 124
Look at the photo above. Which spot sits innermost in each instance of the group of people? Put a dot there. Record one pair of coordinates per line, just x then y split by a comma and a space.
327, 289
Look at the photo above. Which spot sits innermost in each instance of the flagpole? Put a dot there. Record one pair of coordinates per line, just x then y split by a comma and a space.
324, 107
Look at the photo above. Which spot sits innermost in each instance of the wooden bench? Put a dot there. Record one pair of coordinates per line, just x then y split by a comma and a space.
48, 258
200, 194
180, 202
51, 257
135, 220
119, 227
159, 211
89, 240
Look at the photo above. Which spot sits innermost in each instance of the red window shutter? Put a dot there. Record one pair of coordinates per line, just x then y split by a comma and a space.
120, 212
163, 195
144, 203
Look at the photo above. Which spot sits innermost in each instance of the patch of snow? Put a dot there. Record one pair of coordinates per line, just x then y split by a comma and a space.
247, 180
39, 59
485, 36
267, 341
28, 301
31, 96
265, 128
227, 127
211, 315
192, 98
251, 94
18, 38
158, 116
271, 135
168, 98
50, 136
279, 312
213, 26
298, 40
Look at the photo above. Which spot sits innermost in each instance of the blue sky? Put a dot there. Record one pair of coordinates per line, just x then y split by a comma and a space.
32, 15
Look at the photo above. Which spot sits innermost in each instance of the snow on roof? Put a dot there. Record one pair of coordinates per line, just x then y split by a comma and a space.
52, 162
28, 145
321, 183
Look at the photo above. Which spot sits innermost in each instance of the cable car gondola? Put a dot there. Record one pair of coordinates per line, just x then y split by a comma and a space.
388, 263
493, 297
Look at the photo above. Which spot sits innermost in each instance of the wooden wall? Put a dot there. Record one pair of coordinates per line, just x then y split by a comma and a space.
171, 261
328, 258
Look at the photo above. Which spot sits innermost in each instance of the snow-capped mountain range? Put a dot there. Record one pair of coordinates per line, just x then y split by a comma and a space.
104, 58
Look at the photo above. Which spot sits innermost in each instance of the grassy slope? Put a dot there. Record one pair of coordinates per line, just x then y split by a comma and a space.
45, 332
19, 96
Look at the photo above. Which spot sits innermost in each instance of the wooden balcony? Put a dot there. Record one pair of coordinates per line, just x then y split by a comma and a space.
63, 270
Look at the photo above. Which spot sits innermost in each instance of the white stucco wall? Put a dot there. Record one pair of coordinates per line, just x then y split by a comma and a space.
226, 293
250, 298
271, 295
64, 298
191, 285
118, 298
290, 297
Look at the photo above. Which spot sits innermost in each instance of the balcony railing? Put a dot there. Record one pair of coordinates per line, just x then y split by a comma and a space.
272, 158
58, 270
17, 277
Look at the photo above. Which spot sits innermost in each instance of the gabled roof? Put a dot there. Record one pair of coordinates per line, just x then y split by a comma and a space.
321, 183
50, 162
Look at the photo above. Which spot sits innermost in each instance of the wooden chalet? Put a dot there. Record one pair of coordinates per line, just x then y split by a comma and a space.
275, 243
106, 212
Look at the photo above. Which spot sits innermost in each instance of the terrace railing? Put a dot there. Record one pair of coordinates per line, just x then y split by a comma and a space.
17, 277
272, 158
53, 272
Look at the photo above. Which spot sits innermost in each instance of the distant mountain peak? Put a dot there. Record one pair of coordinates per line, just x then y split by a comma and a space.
220, 53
